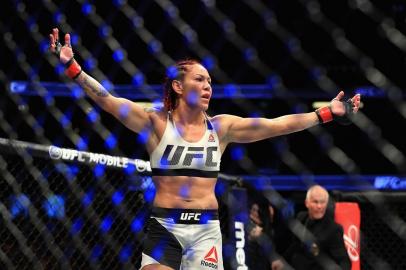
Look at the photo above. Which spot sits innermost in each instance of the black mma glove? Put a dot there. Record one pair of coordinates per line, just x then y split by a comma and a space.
326, 115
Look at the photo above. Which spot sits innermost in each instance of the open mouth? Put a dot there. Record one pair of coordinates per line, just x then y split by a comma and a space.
206, 96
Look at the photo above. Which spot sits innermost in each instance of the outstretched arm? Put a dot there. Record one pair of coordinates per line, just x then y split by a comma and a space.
245, 130
129, 113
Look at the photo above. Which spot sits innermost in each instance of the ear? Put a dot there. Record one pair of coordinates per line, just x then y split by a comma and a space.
177, 86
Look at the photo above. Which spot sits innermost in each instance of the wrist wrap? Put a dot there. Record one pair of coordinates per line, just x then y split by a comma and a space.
324, 114
73, 69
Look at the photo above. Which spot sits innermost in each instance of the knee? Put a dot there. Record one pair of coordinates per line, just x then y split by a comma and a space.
156, 266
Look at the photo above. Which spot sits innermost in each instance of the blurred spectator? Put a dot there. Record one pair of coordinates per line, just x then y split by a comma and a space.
261, 253
319, 242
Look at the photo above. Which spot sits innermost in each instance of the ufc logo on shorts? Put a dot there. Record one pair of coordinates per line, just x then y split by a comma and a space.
190, 216
191, 153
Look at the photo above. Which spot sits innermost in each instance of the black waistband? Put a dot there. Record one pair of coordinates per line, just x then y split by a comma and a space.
184, 172
186, 216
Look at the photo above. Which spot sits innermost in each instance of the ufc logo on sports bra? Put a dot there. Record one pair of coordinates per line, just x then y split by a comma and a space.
191, 153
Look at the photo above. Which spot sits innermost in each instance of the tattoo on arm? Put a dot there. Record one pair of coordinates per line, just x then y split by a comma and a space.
95, 87
149, 110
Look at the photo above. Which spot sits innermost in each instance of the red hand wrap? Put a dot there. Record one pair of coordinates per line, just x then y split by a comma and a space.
73, 70
324, 114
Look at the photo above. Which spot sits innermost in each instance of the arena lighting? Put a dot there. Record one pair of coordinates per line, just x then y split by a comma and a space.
98, 171
107, 85
130, 169
137, 90
77, 92
73, 169
154, 46
192, 97
370, 91
77, 225
184, 191
147, 183
65, 119
87, 198
118, 197
31, 23
249, 54
119, 3
220, 188
82, 143
70, 173
149, 194
172, 72
230, 90
208, 62
273, 81
237, 152
57, 17
74, 39
204, 218
54, 206
87, 8
44, 45
19, 205
125, 253
137, 224
89, 64
106, 224
157, 252
110, 141
97, 252
143, 136
138, 79
118, 55
104, 31
59, 69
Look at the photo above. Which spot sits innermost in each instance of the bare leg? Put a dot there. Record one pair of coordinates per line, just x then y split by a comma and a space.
156, 267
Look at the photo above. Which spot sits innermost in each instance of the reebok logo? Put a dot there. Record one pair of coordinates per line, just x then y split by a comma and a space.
211, 138
211, 256
211, 259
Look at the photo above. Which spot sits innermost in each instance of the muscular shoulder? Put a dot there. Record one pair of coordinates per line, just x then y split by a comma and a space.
222, 123
224, 118
156, 114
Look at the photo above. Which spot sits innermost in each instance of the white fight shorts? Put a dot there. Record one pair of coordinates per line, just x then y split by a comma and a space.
183, 239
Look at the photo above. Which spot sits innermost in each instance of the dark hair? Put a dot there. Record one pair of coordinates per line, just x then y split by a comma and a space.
170, 96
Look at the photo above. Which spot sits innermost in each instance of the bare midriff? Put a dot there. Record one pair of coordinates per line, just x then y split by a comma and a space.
185, 192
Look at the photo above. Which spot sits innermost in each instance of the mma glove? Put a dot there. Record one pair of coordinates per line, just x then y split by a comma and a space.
325, 114
72, 68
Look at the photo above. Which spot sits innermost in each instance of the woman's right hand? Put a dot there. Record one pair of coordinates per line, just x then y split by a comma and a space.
64, 52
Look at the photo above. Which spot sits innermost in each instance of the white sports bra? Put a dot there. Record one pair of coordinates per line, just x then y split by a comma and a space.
175, 156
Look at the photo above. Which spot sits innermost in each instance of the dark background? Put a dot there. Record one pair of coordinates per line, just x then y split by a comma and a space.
299, 51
